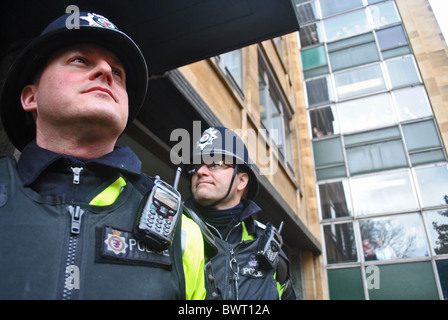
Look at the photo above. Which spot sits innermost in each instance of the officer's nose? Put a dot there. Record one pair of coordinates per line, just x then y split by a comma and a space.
103, 71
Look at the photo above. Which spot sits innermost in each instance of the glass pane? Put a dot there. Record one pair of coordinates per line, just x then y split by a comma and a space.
437, 223
442, 269
307, 12
360, 81
421, 135
323, 122
234, 64
331, 173
412, 103
433, 185
383, 193
315, 72
330, 7
406, 281
384, 14
402, 72
348, 278
392, 53
372, 136
328, 152
391, 38
427, 157
375, 157
340, 243
310, 35
317, 91
351, 42
353, 57
314, 57
335, 200
346, 25
366, 113
393, 237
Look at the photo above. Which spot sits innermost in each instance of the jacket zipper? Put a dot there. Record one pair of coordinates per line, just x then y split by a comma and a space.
73, 243
233, 263
75, 213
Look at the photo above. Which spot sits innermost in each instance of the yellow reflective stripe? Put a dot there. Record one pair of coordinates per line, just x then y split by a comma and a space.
110, 194
246, 236
193, 267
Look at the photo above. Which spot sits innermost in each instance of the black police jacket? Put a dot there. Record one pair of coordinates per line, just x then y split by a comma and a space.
52, 248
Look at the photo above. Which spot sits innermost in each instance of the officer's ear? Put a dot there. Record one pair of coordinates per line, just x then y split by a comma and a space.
28, 98
242, 180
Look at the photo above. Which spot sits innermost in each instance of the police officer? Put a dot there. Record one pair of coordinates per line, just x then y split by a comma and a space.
223, 185
68, 207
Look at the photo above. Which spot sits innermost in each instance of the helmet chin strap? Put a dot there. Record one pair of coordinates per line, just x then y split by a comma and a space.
235, 171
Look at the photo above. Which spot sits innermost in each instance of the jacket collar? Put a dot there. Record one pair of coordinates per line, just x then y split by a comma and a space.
34, 160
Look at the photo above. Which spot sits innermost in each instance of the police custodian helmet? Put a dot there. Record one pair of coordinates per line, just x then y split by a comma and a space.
225, 142
93, 28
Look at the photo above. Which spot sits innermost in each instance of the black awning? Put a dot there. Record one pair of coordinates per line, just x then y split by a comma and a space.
171, 33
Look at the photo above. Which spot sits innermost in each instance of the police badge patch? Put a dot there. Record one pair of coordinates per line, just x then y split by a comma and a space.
120, 247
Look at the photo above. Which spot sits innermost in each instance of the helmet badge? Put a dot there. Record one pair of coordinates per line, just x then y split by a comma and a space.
207, 138
96, 20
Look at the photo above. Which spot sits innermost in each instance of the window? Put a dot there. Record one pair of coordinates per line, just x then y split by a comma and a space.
384, 14
274, 115
375, 150
335, 200
354, 56
366, 113
310, 35
412, 103
437, 223
318, 91
314, 57
340, 243
381, 193
232, 65
359, 81
330, 7
391, 38
307, 12
423, 142
402, 72
323, 122
432, 185
393, 237
346, 25
329, 159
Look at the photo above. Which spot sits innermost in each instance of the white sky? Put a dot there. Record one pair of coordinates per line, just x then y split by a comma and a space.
440, 8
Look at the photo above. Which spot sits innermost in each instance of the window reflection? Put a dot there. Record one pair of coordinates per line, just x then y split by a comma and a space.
395, 237
432, 183
412, 103
363, 114
346, 25
437, 222
383, 193
384, 14
359, 81
340, 243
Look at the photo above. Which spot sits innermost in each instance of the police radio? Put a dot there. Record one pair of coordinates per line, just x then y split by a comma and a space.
269, 249
158, 214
